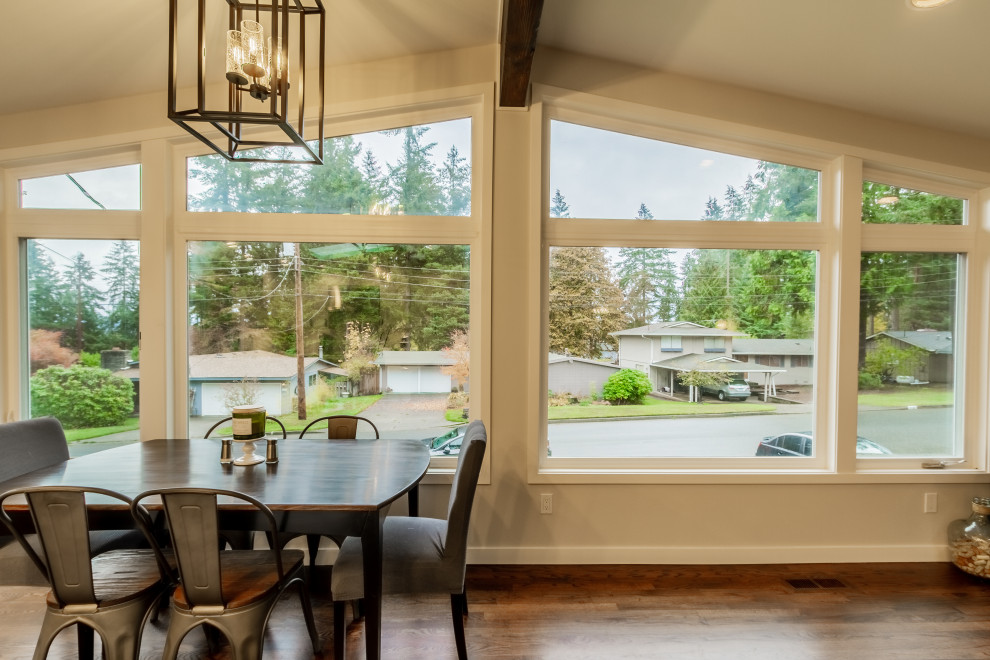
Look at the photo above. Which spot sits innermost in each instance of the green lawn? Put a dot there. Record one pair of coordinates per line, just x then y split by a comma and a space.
907, 395
654, 407
72, 435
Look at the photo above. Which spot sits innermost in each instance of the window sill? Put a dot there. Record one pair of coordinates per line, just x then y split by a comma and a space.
629, 476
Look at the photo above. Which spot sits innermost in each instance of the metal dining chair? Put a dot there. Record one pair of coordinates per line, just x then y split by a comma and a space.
30, 445
341, 427
113, 593
234, 591
420, 555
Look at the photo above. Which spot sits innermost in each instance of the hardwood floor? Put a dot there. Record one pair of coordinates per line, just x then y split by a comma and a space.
923, 611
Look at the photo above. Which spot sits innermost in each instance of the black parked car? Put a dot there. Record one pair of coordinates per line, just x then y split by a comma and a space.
802, 444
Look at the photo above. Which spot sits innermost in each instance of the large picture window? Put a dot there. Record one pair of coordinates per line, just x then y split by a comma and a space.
637, 398
414, 170
82, 310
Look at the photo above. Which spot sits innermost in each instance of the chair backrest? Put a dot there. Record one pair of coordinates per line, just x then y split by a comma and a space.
225, 420
463, 488
191, 514
62, 525
341, 427
30, 445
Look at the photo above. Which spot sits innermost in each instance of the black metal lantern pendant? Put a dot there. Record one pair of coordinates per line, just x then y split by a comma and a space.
265, 85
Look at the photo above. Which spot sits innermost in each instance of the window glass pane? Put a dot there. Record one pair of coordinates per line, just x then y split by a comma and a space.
416, 170
610, 311
384, 330
83, 337
596, 173
907, 351
114, 189
885, 204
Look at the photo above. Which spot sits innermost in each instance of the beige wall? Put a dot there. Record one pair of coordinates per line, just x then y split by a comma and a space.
805, 520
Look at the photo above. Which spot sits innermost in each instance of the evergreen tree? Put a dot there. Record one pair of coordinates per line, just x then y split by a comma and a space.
648, 277
454, 179
337, 186
412, 180
374, 186
45, 308
713, 210
121, 271
705, 297
585, 301
558, 207
82, 300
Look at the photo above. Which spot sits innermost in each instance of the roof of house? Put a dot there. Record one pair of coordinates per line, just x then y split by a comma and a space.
752, 346
933, 341
413, 358
703, 362
262, 365
557, 358
677, 328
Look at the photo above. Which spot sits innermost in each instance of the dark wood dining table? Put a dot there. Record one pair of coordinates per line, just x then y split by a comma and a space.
344, 487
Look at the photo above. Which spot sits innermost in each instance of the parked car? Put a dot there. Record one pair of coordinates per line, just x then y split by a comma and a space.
448, 444
802, 444
736, 388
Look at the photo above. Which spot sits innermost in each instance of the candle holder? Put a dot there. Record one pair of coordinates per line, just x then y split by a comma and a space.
249, 457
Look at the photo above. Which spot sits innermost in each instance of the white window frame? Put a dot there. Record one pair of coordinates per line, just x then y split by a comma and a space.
474, 102
164, 226
837, 238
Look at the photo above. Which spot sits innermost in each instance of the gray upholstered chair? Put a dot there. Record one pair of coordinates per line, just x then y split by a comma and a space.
234, 591
113, 593
27, 446
421, 555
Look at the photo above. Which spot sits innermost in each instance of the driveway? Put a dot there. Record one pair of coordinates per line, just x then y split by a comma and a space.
406, 412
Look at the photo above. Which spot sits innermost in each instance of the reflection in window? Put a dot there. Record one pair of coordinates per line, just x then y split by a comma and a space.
416, 170
886, 204
907, 351
82, 303
713, 299
648, 179
110, 189
375, 321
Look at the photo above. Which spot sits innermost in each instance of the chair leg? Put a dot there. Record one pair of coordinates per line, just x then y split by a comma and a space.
84, 635
464, 601
313, 543
307, 606
339, 628
457, 611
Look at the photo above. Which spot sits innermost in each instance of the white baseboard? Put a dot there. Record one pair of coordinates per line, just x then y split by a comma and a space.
708, 555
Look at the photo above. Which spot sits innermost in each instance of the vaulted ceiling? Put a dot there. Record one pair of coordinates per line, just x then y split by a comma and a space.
882, 57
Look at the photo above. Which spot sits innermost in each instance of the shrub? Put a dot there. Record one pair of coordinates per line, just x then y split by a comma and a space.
868, 381
81, 397
457, 400
559, 399
626, 386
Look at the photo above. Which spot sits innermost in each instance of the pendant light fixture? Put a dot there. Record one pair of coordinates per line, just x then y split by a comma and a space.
249, 78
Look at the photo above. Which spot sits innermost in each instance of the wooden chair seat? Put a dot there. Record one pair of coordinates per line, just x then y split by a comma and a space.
247, 576
121, 575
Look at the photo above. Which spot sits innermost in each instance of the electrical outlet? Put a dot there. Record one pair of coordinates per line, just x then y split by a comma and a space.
546, 503
931, 502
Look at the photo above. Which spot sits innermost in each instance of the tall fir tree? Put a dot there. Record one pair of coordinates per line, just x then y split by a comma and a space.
559, 207
121, 271
83, 300
412, 180
45, 304
454, 179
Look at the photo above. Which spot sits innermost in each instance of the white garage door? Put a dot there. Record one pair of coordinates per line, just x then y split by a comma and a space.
417, 380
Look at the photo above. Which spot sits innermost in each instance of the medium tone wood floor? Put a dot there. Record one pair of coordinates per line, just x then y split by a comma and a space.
924, 611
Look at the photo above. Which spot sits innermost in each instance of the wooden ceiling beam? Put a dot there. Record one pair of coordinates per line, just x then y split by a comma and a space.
520, 23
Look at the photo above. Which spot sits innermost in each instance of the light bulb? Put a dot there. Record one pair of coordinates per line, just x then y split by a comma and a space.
235, 55
255, 59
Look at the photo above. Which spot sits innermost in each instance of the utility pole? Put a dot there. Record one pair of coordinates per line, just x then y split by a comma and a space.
300, 345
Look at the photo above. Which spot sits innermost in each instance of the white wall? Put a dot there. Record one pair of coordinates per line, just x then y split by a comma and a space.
269, 396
